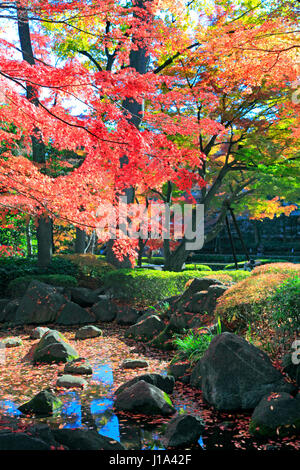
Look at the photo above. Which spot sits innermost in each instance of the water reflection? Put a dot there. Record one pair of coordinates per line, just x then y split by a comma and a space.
9, 408
93, 409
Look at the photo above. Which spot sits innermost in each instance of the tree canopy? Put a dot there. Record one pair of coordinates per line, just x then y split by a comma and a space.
156, 97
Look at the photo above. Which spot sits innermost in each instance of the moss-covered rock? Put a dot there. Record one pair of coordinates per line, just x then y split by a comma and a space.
54, 348
144, 398
45, 403
277, 414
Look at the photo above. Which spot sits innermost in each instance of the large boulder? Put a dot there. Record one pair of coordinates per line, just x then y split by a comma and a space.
145, 330
45, 403
197, 285
85, 297
163, 382
144, 398
21, 441
198, 302
84, 439
105, 310
127, 315
276, 415
205, 302
183, 430
234, 374
54, 348
73, 314
89, 331
40, 304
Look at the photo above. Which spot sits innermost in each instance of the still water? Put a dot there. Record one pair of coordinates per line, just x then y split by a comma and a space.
93, 409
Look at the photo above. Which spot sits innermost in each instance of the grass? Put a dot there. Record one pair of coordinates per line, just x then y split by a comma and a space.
194, 343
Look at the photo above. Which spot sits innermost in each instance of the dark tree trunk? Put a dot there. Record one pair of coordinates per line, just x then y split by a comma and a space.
44, 239
139, 61
44, 228
174, 260
142, 244
80, 240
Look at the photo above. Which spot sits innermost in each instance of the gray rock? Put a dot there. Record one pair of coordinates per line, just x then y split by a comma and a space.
180, 371
45, 403
84, 297
73, 314
276, 415
21, 441
105, 310
3, 303
213, 293
134, 363
53, 347
144, 398
8, 314
197, 285
127, 316
40, 304
43, 431
180, 321
146, 329
183, 430
71, 381
78, 366
163, 382
197, 304
234, 374
38, 332
88, 331
83, 439
11, 342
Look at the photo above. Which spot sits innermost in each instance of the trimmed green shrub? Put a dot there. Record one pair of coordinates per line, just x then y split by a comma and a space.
158, 260
11, 268
198, 267
18, 286
149, 286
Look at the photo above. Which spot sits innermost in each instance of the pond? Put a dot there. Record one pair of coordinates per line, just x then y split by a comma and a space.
94, 410
92, 407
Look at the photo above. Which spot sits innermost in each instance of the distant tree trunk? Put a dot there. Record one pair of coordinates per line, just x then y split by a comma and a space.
257, 235
142, 244
80, 240
44, 225
28, 238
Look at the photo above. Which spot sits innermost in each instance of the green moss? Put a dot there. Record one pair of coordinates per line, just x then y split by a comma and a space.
168, 399
260, 430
